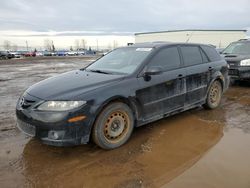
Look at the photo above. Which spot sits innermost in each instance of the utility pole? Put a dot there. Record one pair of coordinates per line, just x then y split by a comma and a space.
96, 44
27, 46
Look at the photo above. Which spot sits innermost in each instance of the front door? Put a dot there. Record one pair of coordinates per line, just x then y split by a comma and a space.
165, 92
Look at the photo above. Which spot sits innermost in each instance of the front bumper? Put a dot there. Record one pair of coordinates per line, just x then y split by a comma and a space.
64, 136
53, 128
240, 73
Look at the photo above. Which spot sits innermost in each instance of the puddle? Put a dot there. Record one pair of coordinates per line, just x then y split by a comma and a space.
198, 148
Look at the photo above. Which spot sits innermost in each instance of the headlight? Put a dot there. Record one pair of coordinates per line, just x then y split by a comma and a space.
245, 62
60, 105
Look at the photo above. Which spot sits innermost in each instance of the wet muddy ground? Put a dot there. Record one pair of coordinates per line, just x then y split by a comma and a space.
198, 148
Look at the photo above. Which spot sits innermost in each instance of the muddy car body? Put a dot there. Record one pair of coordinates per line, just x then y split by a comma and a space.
237, 54
128, 87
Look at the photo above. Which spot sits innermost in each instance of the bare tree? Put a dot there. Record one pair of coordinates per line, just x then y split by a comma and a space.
83, 43
6, 45
47, 44
77, 44
53, 46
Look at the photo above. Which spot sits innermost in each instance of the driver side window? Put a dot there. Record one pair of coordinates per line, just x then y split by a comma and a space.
167, 59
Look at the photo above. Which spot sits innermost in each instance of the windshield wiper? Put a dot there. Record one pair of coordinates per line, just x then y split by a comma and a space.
98, 71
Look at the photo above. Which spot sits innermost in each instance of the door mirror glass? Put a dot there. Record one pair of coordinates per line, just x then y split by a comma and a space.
153, 70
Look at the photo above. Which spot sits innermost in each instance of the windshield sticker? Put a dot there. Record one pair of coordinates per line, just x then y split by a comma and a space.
144, 49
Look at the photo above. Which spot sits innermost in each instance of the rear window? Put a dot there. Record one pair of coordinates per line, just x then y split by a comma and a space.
212, 54
191, 55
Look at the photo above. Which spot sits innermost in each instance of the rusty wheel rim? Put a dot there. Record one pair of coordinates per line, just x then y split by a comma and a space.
215, 94
116, 126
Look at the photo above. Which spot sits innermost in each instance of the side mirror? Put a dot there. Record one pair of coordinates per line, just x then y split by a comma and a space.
154, 70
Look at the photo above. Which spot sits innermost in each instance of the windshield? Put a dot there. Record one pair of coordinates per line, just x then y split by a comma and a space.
238, 48
120, 61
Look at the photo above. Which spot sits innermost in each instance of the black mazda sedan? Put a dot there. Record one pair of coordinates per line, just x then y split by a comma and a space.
127, 88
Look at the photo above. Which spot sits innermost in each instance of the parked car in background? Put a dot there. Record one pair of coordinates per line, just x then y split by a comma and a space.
23, 53
30, 54
126, 88
53, 53
61, 53
81, 52
16, 54
5, 55
237, 55
47, 53
71, 53
39, 53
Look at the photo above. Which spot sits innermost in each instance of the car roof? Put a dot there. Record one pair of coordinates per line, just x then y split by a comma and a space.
162, 44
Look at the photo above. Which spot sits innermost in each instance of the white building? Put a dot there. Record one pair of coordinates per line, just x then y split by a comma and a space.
218, 38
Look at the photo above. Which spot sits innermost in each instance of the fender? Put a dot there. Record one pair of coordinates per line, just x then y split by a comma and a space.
130, 101
216, 76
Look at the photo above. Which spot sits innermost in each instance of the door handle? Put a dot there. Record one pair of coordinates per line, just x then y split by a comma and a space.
180, 76
210, 68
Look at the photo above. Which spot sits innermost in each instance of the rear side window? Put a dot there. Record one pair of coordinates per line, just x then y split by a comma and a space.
167, 58
204, 57
191, 55
212, 54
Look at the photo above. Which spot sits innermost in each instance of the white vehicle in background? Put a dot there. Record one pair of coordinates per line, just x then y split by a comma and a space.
16, 54
71, 53
53, 53
39, 54
81, 52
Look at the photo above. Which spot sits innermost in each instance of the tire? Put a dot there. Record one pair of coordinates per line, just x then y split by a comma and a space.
113, 126
214, 95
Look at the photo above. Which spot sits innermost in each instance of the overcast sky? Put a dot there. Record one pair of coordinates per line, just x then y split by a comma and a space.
122, 16
105, 22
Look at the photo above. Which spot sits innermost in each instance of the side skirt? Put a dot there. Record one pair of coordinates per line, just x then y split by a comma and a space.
173, 112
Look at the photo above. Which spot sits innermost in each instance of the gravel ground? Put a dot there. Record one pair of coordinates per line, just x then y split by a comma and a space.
198, 148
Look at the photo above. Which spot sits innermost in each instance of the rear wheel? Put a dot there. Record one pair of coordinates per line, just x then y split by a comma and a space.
113, 126
214, 95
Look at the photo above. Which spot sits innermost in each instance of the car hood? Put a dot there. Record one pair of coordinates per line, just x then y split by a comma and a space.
235, 57
68, 85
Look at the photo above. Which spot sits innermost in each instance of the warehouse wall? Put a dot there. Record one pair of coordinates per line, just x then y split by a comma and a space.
218, 38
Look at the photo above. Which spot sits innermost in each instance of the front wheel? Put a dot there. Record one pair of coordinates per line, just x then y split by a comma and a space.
214, 95
113, 126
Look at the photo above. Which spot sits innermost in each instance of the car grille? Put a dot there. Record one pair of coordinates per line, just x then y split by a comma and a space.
26, 128
27, 101
233, 64
233, 72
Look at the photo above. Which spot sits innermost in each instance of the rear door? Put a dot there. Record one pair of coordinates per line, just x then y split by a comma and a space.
197, 78
165, 92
